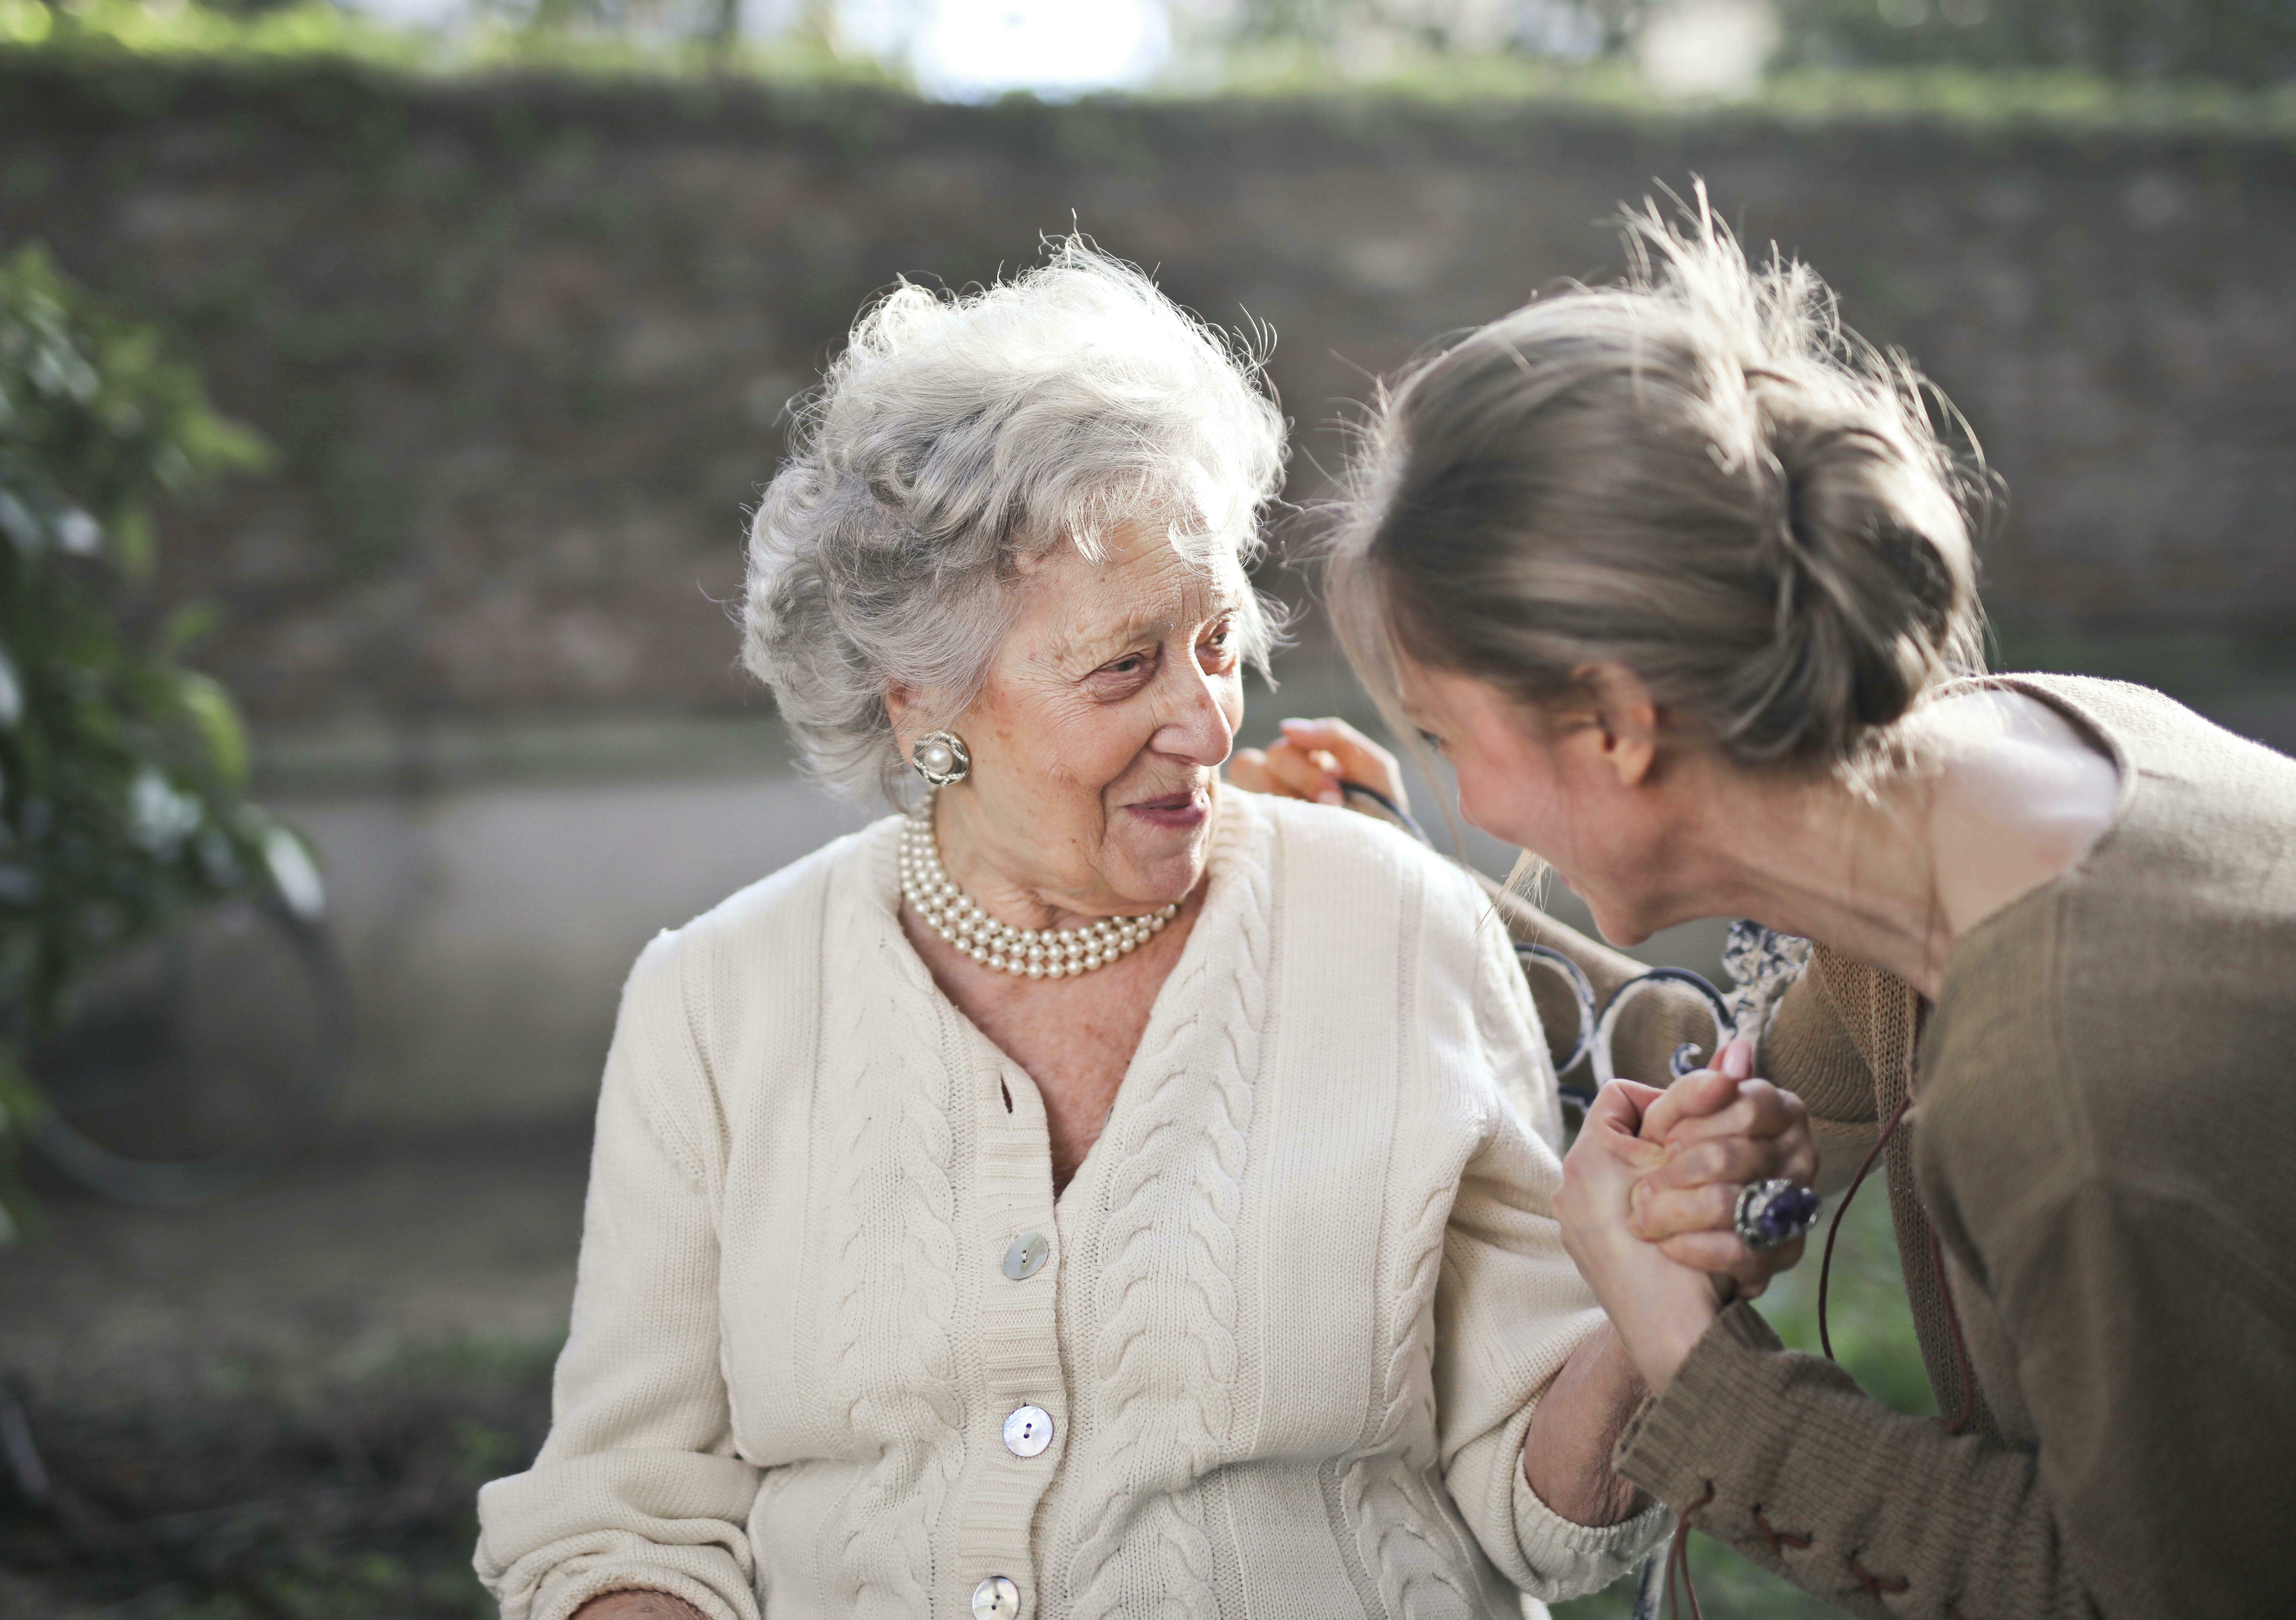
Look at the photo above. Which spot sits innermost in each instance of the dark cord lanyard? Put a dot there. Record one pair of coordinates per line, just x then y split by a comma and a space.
1394, 811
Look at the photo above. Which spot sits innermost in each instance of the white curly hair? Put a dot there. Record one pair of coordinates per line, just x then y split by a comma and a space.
959, 435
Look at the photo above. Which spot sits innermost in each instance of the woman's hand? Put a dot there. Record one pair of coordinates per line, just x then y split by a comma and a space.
1720, 1129
1659, 1307
1312, 759
638, 1606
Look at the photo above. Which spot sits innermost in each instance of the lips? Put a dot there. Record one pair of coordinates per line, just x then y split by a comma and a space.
1183, 809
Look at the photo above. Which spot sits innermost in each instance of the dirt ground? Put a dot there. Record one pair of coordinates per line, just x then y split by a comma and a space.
279, 1405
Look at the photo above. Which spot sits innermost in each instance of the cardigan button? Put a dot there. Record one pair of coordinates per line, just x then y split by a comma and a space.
1027, 1431
996, 1599
1026, 1256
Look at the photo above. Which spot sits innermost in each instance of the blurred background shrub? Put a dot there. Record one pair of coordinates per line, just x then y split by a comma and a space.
123, 773
2250, 42
2041, 52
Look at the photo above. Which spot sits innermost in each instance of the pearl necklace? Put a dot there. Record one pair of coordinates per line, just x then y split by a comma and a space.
1035, 953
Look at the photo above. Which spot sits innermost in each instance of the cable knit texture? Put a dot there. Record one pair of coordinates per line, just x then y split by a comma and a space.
893, 1368
1301, 1300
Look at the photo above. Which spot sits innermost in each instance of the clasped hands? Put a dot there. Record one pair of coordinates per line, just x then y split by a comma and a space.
1650, 1191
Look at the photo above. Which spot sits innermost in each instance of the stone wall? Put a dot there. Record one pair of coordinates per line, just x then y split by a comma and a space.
523, 346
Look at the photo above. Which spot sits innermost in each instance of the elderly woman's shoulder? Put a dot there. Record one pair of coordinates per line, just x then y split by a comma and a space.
782, 910
1342, 849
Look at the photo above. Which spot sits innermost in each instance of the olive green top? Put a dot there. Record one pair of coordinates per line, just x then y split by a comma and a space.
2102, 1143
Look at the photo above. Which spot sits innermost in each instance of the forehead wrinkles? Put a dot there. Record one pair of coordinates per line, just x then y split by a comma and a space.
1144, 599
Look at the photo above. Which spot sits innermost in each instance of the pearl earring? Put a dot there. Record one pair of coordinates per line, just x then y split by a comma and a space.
940, 758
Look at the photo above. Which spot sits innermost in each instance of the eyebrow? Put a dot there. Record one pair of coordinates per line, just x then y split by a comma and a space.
1089, 639
1151, 623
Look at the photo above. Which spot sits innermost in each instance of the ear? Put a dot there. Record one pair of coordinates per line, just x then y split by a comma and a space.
1624, 722
903, 707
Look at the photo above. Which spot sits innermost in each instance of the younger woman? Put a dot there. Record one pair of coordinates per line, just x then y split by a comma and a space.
1678, 578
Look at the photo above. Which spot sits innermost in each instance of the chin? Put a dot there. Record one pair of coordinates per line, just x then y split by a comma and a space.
1620, 936
1623, 929
1164, 867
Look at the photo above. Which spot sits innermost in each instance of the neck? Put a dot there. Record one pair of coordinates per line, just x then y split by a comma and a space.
2008, 798
1817, 859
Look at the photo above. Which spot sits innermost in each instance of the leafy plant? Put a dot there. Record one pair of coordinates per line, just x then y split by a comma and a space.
123, 773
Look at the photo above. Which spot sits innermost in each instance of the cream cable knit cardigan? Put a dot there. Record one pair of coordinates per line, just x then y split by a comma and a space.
1301, 1297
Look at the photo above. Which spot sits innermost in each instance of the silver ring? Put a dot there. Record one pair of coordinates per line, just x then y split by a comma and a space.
1774, 1213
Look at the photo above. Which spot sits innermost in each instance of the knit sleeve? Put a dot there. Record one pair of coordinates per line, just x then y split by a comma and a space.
636, 1485
1808, 1050
1783, 1457
1510, 1309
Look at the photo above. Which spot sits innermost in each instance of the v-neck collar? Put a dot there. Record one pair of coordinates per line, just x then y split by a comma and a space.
1216, 929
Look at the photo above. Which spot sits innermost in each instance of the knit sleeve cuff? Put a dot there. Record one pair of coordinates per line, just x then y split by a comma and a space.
1571, 1559
1668, 1447
559, 1599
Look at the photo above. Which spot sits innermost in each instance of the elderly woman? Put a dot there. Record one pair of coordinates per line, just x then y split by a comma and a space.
1093, 1191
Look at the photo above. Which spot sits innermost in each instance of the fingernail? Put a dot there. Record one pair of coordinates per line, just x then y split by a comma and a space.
1331, 796
1738, 1059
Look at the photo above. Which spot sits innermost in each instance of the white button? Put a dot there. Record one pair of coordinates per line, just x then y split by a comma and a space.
1029, 1431
1026, 1256
996, 1599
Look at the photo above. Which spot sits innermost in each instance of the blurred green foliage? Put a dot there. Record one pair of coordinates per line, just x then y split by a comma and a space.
346, 80
2250, 42
606, 36
1464, 26
1956, 98
122, 773
2208, 670
2245, 41
1866, 1313
1873, 1332
1300, 50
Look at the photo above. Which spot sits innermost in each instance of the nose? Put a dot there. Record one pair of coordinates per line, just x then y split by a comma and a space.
1196, 726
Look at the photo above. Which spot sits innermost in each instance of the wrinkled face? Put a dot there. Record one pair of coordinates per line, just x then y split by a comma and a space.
1097, 740
1549, 785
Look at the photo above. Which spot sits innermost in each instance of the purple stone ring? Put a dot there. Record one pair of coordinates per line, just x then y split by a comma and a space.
1774, 1213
